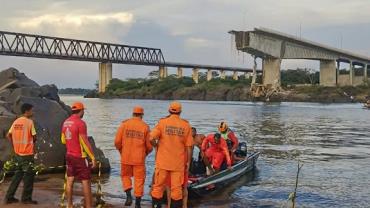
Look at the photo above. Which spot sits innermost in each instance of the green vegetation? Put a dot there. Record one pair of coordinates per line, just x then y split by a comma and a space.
299, 76
300, 85
74, 91
154, 86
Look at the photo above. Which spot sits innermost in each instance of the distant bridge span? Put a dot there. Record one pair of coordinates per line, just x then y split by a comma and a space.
273, 46
39, 46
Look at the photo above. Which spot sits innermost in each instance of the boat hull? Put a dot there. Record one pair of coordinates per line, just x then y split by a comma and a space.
215, 182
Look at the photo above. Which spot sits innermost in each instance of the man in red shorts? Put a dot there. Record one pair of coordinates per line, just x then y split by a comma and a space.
74, 136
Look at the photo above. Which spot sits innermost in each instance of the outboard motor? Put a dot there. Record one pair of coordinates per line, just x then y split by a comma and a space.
242, 150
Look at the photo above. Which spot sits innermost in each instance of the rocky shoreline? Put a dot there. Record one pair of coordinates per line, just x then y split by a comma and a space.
15, 89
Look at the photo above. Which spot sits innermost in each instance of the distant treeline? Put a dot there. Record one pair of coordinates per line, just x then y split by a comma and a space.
74, 91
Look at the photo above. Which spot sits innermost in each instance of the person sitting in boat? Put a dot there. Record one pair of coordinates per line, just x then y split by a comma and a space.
230, 138
215, 150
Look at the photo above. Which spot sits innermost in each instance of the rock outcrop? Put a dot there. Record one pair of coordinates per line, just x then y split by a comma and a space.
49, 113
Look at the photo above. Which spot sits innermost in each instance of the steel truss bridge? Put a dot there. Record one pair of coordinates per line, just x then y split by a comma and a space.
37, 46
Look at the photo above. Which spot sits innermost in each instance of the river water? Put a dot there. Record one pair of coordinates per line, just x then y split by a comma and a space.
332, 141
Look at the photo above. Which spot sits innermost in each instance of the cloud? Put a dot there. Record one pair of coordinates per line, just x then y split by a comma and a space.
75, 20
104, 27
193, 42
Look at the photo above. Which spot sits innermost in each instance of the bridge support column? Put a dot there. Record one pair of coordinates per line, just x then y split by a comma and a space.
209, 75
163, 72
105, 76
179, 72
365, 74
351, 73
235, 75
338, 73
247, 75
271, 71
328, 73
196, 75
223, 74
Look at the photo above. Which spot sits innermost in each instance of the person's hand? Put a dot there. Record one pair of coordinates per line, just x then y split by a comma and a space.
229, 167
94, 164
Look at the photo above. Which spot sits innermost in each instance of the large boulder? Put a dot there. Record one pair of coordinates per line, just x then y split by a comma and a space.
49, 114
12, 78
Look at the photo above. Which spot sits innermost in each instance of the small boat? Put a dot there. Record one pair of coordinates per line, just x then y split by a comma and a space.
204, 185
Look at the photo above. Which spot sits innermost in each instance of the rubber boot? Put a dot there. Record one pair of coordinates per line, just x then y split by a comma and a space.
176, 203
128, 198
138, 202
156, 203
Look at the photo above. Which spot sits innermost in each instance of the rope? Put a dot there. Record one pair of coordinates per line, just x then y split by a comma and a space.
61, 204
99, 194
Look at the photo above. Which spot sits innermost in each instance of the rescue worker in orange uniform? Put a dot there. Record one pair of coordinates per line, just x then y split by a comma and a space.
197, 139
132, 141
173, 139
214, 147
22, 135
230, 138
74, 136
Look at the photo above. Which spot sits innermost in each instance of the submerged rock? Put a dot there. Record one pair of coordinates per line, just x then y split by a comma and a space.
49, 114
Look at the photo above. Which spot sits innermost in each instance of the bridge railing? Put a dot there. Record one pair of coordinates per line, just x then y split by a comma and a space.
19, 44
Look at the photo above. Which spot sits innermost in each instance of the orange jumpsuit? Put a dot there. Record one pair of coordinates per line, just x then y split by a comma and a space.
216, 152
174, 135
132, 141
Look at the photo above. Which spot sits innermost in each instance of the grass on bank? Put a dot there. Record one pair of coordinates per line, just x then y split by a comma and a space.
170, 84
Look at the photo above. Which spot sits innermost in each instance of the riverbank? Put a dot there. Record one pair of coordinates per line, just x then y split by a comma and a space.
48, 190
172, 88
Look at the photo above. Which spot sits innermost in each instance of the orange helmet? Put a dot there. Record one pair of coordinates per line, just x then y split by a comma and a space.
78, 106
175, 107
138, 110
223, 127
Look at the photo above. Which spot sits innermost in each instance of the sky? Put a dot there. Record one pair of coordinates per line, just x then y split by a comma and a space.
188, 31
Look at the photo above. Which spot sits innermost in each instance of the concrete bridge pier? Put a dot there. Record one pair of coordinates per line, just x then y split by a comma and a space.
247, 75
271, 71
196, 75
209, 75
351, 73
328, 73
338, 73
163, 72
179, 72
235, 75
366, 80
223, 74
105, 76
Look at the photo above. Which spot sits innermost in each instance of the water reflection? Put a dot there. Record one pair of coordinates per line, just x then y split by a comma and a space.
332, 140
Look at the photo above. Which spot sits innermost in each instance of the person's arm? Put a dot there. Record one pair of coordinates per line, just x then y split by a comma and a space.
149, 146
205, 143
226, 152
189, 143
189, 152
84, 141
235, 141
118, 138
33, 132
155, 135
9, 135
